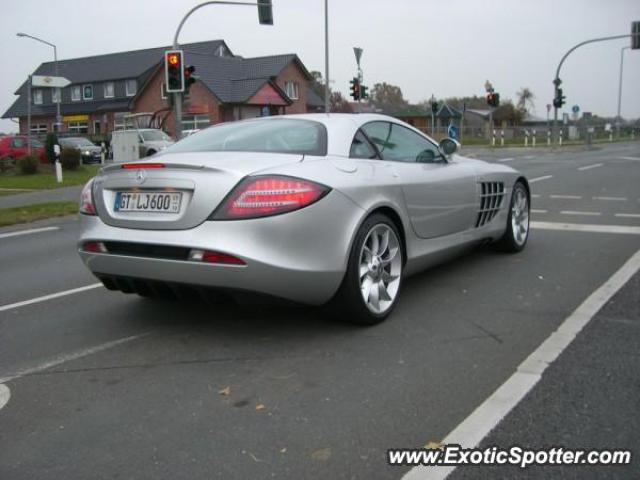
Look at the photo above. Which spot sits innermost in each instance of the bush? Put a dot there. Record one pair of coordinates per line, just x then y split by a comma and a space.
28, 165
6, 164
52, 139
70, 158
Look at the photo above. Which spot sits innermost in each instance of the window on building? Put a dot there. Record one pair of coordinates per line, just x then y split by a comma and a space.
195, 122
37, 97
131, 87
163, 91
121, 122
78, 127
97, 127
87, 92
56, 95
291, 89
40, 128
109, 90
76, 91
221, 51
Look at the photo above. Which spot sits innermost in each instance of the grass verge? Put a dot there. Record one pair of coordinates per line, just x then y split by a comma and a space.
38, 211
47, 179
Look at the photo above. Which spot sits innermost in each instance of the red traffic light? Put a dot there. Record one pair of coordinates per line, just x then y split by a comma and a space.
173, 59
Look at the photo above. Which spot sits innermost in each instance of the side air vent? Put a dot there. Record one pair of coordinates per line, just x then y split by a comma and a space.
491, 196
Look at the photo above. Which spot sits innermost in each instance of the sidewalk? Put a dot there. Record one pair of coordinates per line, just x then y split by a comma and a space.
588, 398
65, 194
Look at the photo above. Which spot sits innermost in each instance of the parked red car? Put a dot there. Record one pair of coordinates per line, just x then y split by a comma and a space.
15, 146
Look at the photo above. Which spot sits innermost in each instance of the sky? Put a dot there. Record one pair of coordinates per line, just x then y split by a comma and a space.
446, 48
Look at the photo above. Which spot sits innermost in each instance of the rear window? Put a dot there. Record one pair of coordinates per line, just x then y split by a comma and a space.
274, 135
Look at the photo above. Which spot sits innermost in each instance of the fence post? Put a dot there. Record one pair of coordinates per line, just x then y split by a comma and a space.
526, 138
493, 139
560, 138
502, 138
548, 138
611, 135
533, 139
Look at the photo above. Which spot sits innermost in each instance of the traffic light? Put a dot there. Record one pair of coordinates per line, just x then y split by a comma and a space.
635, 35
434, 107
363, 92
173, 71
355, 88
189, 77
558, 102
493, 99
265, 12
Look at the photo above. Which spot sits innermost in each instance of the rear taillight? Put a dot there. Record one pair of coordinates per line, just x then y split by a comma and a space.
208, 256
263, 196
86, 199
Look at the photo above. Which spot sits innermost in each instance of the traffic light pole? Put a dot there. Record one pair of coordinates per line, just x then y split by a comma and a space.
557, 82
177, 96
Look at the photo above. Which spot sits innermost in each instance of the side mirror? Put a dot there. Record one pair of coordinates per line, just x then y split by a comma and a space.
449, 146
56, 150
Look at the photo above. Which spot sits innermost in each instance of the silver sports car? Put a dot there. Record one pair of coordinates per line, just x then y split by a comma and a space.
309, 208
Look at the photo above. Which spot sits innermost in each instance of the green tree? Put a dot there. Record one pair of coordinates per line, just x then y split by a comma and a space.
338, 104
525, 100
387, 97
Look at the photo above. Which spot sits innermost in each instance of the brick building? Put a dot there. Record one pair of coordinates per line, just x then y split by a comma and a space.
106, 89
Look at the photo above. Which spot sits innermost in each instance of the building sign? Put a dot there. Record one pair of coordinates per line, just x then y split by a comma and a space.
75, 118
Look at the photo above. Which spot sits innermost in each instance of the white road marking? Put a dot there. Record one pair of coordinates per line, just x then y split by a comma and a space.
538, 179
5, 395
586, 214
533, 210
505, 159
628, 215
28, 232
529, 157
60, 359
630, 158
580, 227
568, 197
611, 199
489, 414
589, 167
51, 296
535, 195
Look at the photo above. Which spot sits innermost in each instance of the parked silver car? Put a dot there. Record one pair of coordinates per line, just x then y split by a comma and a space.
311, 208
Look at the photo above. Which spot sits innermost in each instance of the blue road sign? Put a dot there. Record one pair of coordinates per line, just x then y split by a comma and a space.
575, 109
452, 132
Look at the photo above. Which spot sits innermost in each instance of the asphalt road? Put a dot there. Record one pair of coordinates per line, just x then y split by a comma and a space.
104, 385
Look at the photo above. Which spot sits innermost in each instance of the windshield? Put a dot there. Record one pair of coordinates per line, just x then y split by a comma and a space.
274, 135
77, 142
155, 136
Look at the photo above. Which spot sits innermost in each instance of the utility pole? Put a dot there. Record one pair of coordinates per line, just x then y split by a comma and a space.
433, 115
326, 57
358, 52
265, 16
29, 115
619, 118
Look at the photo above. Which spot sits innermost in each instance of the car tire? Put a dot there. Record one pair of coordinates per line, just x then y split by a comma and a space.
517, 232
371, 285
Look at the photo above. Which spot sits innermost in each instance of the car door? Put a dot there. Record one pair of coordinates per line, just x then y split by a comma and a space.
18, 147
440, 194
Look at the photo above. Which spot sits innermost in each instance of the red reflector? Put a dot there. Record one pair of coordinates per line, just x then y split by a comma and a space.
133, 166
94, 247
217, 257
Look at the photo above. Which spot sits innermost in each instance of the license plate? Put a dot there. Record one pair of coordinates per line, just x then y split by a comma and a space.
158, 202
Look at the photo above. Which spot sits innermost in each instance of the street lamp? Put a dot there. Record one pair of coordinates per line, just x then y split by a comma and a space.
55, 62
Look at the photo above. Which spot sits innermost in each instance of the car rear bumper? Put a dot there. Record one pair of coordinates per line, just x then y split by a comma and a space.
299, 256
